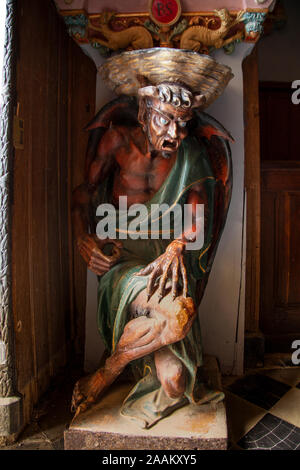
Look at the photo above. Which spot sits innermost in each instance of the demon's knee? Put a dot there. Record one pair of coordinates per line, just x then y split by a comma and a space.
184, 315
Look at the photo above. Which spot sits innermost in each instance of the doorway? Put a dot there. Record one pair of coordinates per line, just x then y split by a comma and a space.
272, 184
279, 317
280, 216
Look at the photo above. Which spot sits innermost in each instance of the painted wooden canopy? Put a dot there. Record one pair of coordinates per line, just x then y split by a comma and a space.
198, 25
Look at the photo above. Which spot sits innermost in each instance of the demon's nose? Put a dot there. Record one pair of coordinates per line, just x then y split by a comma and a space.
172, 131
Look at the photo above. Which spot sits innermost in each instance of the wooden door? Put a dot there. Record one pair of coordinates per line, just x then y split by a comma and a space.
56, 96
280, 217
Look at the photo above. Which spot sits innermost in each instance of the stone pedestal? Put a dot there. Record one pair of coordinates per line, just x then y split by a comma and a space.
10, 419
191, 427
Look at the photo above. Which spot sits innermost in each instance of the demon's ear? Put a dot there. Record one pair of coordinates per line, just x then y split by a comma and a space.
149, 91
143, 113
199, 100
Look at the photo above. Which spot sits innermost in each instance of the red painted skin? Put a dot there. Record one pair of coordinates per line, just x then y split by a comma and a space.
139, 175
137, 157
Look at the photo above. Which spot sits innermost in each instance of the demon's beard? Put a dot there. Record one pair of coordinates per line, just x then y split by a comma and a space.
167, 155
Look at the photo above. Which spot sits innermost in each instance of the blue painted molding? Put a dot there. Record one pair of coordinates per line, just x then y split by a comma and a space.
254, 22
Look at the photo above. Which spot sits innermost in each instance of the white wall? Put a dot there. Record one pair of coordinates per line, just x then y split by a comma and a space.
222, 308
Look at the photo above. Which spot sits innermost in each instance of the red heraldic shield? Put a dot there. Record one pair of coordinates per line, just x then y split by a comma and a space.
165, 12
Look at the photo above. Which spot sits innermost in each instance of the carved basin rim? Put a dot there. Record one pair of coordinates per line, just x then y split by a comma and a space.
201, 73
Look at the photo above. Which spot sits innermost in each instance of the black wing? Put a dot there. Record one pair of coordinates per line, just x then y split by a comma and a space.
122, 111
216, 140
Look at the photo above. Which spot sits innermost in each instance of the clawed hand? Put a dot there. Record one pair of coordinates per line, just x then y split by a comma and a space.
168, 265
90, 248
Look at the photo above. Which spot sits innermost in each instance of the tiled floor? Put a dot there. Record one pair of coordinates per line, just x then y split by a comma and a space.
263, 412
263, 409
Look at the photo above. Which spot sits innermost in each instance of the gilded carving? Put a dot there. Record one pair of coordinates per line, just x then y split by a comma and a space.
134, 37
166, 36
110, 31
200, 38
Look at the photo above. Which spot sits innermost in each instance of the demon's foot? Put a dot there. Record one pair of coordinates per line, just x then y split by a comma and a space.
86, 391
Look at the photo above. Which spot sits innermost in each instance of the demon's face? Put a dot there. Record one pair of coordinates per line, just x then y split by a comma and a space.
166, 125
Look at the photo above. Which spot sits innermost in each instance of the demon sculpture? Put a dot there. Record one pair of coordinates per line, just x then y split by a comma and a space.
154, 146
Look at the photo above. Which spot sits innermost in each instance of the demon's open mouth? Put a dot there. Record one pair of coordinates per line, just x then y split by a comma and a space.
170, 144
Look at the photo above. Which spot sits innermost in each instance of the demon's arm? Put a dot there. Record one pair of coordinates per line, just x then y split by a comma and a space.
89, 245
100, 162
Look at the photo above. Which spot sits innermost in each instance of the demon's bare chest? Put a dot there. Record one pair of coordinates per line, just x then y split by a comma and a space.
139, 174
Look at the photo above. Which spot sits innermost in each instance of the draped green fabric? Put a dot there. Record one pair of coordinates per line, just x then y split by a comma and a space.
119, 287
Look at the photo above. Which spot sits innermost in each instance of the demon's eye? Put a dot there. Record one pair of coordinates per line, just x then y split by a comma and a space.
182, 123
163, 121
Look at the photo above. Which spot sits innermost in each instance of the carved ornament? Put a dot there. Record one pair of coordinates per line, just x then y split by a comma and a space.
201, 32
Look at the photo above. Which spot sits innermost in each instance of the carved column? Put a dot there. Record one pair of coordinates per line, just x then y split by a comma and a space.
10, 405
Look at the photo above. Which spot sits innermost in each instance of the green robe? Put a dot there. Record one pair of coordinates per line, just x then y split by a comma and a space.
147, 402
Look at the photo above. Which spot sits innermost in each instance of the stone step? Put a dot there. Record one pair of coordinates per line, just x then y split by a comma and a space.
190, 427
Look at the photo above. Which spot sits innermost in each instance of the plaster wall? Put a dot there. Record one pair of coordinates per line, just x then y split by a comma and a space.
222, 308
